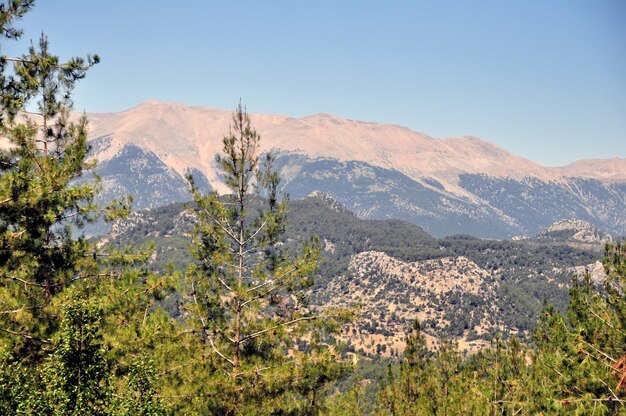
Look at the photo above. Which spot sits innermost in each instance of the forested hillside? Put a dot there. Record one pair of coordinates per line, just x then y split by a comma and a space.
396, 272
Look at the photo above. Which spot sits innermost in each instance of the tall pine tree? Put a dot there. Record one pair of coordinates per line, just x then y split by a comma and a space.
40, 197
55, 284
247, 300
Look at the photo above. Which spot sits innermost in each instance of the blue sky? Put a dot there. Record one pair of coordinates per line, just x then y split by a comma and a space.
544, 79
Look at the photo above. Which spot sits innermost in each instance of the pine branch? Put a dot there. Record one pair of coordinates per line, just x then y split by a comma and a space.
222, 333
89, 276
177, 367
258, 230
20, 310
23, 335
25, 282
590, 399
195, 300
288, 323
286, 363
219, 353
17, 60
590, 309
228, 230
271, 289
224, 284
275, 279
610, 390
608, 357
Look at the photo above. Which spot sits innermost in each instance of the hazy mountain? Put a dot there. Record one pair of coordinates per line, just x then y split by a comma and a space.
614, 168
446, 185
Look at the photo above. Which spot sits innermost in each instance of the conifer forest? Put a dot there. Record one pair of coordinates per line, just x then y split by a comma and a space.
89, 327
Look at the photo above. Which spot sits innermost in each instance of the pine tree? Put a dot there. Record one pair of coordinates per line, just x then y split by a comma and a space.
406, 388
40, 196
247, 294
575, 366
56, 286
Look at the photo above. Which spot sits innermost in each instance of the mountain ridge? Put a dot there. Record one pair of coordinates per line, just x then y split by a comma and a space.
383, 145
446, 185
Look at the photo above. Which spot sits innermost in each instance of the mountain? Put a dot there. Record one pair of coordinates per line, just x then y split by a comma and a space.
446, 185
612, 169
459, 287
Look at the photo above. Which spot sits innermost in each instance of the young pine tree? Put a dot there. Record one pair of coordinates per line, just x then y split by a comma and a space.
247, 300
579, 363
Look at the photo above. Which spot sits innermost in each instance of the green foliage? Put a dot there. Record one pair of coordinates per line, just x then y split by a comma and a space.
60, 293
82, 330
77, 373
247, 302
575, 367
74, 379
41, 198
580, 354
142, 397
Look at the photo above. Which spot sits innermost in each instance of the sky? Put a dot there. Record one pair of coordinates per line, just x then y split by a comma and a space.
544, 79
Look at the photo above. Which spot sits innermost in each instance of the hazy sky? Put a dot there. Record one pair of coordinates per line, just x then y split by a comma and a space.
544, 79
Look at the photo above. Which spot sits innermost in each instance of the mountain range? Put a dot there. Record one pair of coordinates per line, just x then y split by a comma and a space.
462, 185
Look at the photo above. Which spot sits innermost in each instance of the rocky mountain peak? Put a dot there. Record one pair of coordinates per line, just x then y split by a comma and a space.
576, 230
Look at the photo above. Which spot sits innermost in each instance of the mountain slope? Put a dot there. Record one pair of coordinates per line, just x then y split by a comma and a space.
612, 169
186, 136
451, 185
